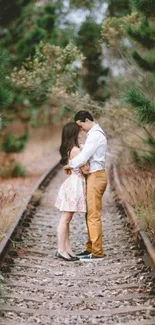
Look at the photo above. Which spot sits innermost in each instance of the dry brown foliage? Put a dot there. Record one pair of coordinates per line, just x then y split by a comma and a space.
139, 190
8, 207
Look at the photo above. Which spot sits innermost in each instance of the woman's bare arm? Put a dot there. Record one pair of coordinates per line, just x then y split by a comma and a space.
74, 152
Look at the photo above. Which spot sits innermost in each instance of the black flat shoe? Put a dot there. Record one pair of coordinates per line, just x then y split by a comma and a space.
74, 258
82, 254
57, 254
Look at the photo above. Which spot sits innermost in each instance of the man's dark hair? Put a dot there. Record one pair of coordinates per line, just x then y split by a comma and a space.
82, 116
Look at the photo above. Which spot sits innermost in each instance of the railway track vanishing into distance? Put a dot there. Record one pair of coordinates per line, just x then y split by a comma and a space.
42, 289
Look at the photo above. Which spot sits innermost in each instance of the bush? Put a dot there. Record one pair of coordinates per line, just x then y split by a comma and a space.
14, 144
12, 169
18, 171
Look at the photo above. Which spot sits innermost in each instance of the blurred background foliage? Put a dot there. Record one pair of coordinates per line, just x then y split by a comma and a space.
134, 35
77, 54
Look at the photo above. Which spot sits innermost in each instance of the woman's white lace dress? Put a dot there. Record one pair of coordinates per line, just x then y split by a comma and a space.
72, 193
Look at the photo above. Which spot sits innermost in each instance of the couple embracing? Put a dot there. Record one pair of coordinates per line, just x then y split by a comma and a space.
82, 191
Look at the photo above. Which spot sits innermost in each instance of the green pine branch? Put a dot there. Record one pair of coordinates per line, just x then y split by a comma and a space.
145, 6
4, 63
143, 160
5, 97
144, 34
145, 109
146, 63
151, 142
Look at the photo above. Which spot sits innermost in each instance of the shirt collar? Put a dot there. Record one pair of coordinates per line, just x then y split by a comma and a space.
96, 126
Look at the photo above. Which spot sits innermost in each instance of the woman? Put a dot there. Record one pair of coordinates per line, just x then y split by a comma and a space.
72, 194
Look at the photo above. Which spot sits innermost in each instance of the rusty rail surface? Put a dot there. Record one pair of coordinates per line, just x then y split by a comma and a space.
141, 236
42, 182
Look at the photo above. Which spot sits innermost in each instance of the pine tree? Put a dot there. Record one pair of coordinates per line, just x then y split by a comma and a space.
94, 72
24, 33
142, 99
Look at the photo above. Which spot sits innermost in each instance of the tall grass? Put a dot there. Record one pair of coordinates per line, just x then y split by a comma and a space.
7, 207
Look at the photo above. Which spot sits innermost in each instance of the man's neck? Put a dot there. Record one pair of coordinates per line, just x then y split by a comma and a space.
92, 125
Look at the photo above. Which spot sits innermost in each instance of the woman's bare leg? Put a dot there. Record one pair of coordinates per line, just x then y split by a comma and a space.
63, 232
67, 244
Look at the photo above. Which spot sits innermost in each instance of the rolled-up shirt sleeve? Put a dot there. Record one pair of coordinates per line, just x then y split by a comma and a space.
87, 151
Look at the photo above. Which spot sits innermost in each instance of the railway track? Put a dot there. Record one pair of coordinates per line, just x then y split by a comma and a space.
42, 289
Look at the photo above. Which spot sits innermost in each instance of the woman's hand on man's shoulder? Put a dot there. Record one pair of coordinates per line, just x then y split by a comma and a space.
67, 170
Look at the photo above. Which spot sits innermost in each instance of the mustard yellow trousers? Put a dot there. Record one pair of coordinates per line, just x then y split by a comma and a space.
96, 185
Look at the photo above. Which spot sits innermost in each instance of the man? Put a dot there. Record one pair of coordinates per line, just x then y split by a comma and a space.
94, 150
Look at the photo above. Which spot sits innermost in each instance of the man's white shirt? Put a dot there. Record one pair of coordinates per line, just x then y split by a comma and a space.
94, 150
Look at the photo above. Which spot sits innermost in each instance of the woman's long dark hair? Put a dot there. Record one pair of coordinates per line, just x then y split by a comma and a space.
69, 139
